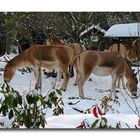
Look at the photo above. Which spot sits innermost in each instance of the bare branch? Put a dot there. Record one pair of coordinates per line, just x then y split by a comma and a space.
73, 17
135, 112
66, 21
76, 16
91, 13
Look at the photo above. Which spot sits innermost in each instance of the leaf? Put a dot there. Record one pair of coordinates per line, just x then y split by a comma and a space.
10, 100
11, 114
15, 102
7, 88
105, 120
36, 98
0, 109
2, 87
110, 126
43, 101
12, 89
15, 91
51, 95
94, 124
29, 99
59, 91
4, 110
20, 100
42, 121
49, 104
53, 98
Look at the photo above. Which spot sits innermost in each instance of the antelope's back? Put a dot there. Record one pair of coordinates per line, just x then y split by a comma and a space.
105, 59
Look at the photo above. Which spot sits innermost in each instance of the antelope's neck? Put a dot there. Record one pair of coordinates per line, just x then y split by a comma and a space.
19, 61
128, 72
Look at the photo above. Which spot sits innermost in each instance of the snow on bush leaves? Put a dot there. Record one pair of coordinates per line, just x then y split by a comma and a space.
28, 111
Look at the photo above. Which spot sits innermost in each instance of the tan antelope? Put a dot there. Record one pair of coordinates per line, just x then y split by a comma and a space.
77, 48
104, 64
128, 51
136, 46
41, 55
51, 40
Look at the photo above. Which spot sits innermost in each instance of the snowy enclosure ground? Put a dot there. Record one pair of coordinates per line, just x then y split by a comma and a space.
96, 89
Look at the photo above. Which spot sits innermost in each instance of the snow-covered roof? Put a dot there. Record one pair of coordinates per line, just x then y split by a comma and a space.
91, 27
124, 30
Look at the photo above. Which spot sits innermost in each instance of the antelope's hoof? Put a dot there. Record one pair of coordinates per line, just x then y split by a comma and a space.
89, 79
63, 89
116, 97
75, 84
36, 87
82, 97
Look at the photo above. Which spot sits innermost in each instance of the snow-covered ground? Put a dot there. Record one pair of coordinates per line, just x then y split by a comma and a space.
95, 89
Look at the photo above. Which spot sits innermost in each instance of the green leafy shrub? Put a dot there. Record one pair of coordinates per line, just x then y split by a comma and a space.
28, 110
103, 123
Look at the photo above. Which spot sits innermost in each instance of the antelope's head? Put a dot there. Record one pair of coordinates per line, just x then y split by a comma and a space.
9, 72
132, 86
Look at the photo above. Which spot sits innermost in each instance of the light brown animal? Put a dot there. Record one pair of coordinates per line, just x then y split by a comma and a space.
136, 46
127, 51
41, 55
51, 40
77, 48
104, 64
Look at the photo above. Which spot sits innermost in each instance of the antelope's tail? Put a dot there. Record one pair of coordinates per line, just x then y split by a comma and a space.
75, 60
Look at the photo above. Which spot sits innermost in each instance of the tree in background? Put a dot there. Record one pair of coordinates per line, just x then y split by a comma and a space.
2, 34
35, 26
